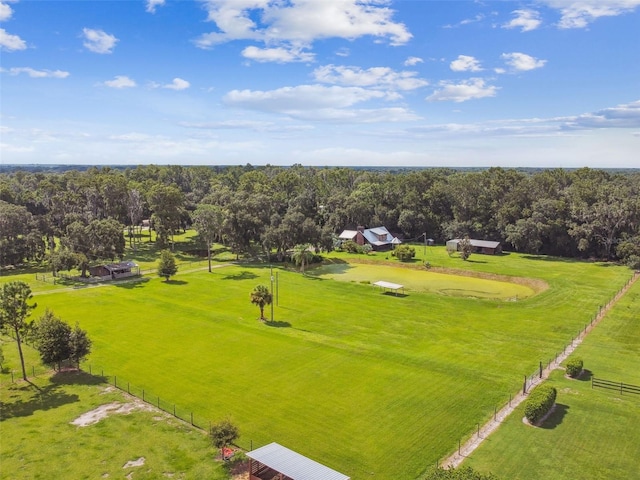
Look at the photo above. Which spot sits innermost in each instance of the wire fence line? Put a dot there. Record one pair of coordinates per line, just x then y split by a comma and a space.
482, 429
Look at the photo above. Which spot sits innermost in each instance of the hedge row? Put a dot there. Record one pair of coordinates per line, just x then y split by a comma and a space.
539, 403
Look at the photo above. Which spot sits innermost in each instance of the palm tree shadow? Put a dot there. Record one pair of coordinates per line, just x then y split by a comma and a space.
244, 275
277, 324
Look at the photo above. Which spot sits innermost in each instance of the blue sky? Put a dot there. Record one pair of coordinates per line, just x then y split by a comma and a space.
543, 83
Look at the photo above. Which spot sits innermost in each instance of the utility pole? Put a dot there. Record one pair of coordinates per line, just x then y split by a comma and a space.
272, 298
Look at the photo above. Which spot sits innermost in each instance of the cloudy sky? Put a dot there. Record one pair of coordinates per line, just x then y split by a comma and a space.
541, 83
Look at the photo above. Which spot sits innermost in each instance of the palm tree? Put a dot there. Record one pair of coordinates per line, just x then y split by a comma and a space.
261, 297
302, 255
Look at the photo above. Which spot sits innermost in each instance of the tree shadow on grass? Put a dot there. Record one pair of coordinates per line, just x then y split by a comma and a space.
175, 282
244, 275
555, 419
585, 376
76, 377
32, 399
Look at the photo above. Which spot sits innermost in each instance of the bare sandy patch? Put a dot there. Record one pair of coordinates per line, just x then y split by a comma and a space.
103, 411
134, 463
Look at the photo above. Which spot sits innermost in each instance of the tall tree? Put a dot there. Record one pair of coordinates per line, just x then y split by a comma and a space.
14, 310
261, 296
167, 204
208, 221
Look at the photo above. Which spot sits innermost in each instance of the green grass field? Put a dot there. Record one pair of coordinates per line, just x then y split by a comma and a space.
593, 432
367, 383
39, 441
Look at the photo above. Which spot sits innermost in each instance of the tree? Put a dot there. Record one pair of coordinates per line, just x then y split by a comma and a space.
302, 255
223, 434
14, 310
52, 339
167, 265
465, 248
80, 345
167, 204
208, 220
261, 296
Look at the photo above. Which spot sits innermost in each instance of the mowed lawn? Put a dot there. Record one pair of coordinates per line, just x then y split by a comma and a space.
594, 432
39, 440
367, 383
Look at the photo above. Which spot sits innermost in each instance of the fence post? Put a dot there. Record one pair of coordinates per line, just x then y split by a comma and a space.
115, 381
174, 409
524, 386
191, 418
458, 446
143, 394
509, 399
478, 430
495, 413
540, 369
128, 390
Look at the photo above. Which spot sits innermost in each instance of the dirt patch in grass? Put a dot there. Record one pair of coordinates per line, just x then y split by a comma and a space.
103, 411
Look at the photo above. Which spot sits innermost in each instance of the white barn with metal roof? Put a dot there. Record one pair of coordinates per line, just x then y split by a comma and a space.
273, 459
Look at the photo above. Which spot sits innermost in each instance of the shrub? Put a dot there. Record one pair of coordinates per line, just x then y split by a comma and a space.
539, 403
574, 367
404, 253
350, 246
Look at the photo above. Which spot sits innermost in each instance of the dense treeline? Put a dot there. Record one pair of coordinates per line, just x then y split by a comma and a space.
583, 213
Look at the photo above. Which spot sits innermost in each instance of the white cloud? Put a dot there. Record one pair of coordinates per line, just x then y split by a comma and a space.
411, 61
98, 41
620, 116
461, 92
153, 4
301, 22
36, 73
465, 63
580, 13
343, 52
5, 12
11, 42
466, 21
522, 62
278, 54
376, 77
320, 103
526, 20
177, 84
120, 81
302, 97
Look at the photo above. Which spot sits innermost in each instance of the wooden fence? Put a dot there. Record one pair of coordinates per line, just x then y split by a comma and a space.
618, 386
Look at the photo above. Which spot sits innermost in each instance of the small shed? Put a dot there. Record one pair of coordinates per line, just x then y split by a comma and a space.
274, 461
479, 246
112, 271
